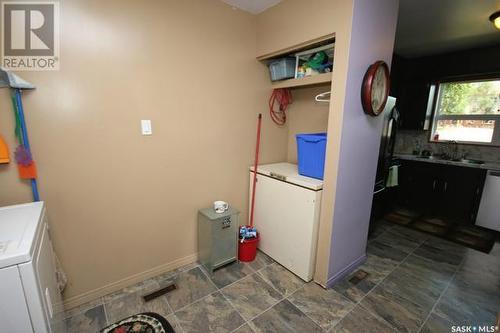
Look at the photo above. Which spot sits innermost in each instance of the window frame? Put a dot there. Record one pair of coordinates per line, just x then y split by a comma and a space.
435, 93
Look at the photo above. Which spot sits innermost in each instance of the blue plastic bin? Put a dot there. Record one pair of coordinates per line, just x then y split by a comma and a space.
311, 149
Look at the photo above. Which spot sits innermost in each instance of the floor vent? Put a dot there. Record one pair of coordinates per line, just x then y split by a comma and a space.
159, 292
359, 276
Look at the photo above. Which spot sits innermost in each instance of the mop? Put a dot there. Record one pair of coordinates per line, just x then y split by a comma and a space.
249, 237
26, 165
248, 231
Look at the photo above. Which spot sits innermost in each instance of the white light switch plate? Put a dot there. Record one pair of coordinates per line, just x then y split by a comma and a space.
146, 127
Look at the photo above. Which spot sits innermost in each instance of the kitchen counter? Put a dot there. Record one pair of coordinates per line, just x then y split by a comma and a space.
437, 160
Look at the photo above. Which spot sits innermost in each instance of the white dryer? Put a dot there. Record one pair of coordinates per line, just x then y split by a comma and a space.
287, 207
29, 298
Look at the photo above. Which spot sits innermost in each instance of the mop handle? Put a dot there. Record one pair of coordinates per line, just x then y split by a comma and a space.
24, 133
259, 123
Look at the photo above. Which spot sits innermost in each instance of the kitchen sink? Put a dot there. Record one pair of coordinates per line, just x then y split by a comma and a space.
460, 160
465, 160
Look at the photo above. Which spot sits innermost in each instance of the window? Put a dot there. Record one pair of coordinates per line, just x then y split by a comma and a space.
468, 112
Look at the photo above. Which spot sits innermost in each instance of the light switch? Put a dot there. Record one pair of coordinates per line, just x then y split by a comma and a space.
146, 127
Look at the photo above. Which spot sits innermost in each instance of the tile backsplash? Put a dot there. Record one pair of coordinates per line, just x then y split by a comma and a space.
407, 141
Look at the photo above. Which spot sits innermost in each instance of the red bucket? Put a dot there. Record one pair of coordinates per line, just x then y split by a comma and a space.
248, 249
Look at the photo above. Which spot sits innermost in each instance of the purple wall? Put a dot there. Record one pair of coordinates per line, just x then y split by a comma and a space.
372, 39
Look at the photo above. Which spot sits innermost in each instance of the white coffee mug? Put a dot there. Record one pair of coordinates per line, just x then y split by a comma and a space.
220, 206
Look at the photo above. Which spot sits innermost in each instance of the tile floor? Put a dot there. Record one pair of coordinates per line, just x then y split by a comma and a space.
415, 283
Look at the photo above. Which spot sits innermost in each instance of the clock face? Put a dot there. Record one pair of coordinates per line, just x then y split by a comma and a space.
379, 90
375, 88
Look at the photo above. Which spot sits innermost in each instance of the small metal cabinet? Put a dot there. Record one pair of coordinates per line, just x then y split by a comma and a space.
217, 237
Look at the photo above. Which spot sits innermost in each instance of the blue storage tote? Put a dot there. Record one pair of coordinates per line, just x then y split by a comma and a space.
311, 149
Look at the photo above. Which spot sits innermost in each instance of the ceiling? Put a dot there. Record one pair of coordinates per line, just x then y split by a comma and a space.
252, 6
428, 27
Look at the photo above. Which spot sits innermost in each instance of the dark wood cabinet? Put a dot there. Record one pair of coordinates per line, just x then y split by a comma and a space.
412, 104
412, 93
461, 192
451, 192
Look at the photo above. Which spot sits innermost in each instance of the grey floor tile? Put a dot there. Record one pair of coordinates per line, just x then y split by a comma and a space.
229, 274
360, 320
354, 292
406, 288
210, 314
174, 322
244, 329
439, 272
191, 286
485, 281
475, 261
129, 305
92, 320
168, 276
401, 239
462, 306
379, 228
386, 251
423, 293
442, 251
251, 296
261, 261
82, 308
419, 280
401, 313
436, 324
281, 279
286, 318
325, 306
376, 267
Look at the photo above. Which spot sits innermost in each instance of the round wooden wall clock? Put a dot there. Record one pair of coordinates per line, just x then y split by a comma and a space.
375, 88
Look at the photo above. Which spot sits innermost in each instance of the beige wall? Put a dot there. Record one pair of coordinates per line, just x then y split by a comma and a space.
305, 115
292, 22
120, 203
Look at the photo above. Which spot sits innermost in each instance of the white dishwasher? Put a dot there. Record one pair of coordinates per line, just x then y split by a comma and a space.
489, 208
287, 207
29, 298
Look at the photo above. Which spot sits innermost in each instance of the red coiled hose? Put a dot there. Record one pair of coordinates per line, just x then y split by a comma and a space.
283, 97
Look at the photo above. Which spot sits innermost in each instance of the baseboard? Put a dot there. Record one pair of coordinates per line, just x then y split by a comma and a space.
91, 295
346, 271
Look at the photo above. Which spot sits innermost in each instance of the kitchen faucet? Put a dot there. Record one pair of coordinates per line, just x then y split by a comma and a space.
454, 150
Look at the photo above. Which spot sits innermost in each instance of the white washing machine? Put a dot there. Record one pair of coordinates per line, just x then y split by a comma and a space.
287, 208
29, 298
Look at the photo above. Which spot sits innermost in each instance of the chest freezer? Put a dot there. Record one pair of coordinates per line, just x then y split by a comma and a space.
287, 208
